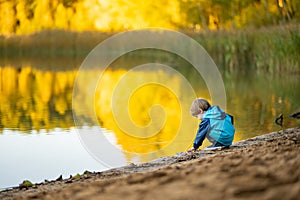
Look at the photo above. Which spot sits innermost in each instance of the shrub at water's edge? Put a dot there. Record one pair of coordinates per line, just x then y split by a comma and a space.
269, 50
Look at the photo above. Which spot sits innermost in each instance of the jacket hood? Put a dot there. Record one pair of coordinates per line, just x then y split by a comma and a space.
215, 112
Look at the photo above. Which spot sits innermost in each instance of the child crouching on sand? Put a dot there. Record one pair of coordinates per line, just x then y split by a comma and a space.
216, 125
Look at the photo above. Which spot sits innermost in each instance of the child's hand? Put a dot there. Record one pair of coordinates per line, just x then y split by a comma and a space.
191, 149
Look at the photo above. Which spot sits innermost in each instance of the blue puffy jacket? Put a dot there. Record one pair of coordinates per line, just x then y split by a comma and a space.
216, 126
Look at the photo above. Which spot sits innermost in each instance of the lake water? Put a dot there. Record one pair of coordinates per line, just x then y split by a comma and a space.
39, 139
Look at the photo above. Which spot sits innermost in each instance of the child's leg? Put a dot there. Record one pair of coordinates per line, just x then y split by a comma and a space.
216, 144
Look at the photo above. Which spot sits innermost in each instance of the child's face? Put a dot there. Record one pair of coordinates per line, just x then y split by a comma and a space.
200, 115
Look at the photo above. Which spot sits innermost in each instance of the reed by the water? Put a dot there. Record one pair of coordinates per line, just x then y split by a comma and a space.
267, 49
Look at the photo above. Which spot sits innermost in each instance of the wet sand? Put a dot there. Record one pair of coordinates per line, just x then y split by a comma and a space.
264, 167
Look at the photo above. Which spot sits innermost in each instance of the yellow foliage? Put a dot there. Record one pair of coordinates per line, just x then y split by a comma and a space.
24, 17
7, 19
63, 17
42, 15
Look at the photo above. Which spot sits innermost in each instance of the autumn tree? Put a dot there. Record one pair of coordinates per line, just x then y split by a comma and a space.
27, 16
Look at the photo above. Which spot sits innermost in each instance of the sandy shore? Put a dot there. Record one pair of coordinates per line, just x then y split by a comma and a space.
264, 167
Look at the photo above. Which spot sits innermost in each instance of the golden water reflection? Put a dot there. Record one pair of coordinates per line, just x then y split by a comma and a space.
146, 127
34, 100
149, 127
